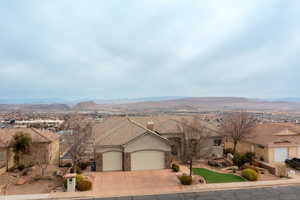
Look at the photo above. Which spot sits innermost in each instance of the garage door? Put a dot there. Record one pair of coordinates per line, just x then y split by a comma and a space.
112, 161
143, 160
281, 154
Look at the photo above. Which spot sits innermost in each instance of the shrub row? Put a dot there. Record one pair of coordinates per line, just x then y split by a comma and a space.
250, 174
175, 167
185, 179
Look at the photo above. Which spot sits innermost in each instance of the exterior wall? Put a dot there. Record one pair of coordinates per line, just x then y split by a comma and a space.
244, 147
10, 158
127, 162
54, 149
99, 162
37, 152
105, 149
168, 160
292, 153
147, 142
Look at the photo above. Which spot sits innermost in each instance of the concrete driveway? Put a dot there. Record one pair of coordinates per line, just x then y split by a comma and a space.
135, 183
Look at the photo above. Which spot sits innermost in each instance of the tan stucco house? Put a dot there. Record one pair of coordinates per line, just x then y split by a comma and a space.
44, 143
272, 142
141, 143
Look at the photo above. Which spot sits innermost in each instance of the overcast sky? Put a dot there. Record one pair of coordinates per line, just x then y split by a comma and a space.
115, 49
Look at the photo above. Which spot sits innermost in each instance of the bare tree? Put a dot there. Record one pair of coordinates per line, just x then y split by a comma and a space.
237, 127
78, 138
193, 137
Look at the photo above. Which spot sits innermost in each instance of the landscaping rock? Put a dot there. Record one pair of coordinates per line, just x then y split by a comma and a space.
21, 181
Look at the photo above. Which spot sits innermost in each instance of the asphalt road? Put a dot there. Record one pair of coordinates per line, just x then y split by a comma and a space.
278, 193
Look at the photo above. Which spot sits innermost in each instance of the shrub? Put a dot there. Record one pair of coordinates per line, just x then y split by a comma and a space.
249, 157
68, 165
238, 160
185, 179
252, 167
228, 150
84, 185
78, 170
83, 165
175, 168
250, 174
21, 167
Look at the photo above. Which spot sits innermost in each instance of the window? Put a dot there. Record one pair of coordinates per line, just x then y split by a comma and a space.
217, 142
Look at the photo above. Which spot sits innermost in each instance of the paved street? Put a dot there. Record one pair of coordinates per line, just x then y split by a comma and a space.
279, 193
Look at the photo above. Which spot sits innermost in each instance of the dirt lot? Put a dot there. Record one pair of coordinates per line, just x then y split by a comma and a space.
32, 184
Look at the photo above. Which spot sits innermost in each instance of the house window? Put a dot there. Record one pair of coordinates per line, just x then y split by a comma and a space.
217, 142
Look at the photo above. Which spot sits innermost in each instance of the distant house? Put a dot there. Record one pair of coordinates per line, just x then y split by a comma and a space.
139, 143
42, 141
272, 142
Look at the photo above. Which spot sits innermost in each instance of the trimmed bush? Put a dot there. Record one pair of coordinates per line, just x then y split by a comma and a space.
250, 174
185, 179
84, 185
252, 167
249, 157
238, 160
175, 168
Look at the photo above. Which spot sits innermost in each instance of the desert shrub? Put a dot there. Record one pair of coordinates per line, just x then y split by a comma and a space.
250, 174
68, 165
251, 167
249, 157
21, 167
228, 150
84, 185
175, 168
238, 160
281, 170
185, 179
83, 165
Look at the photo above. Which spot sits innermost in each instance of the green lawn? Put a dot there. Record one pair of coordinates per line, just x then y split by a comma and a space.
215, 177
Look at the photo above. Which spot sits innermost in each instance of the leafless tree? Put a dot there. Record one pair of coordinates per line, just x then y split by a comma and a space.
78, 139
194, 137
237, 127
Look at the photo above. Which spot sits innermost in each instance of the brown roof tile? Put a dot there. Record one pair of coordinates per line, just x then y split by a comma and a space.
38, 136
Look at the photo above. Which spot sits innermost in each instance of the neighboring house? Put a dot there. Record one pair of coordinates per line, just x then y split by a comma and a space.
141, 143
272, 142
44, 143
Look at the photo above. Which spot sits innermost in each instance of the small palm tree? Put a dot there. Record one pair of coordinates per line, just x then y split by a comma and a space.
21, 145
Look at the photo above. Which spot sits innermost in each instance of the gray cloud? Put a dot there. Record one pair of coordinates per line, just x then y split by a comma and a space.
115, 49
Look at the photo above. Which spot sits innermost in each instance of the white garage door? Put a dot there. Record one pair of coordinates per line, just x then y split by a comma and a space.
281, 154
143, 160
112, 161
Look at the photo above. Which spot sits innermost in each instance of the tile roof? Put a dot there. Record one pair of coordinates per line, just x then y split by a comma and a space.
276, 134
37, 135
119, 130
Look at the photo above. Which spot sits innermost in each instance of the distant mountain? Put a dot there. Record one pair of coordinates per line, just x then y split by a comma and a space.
35, 107
288, 99
135, 100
